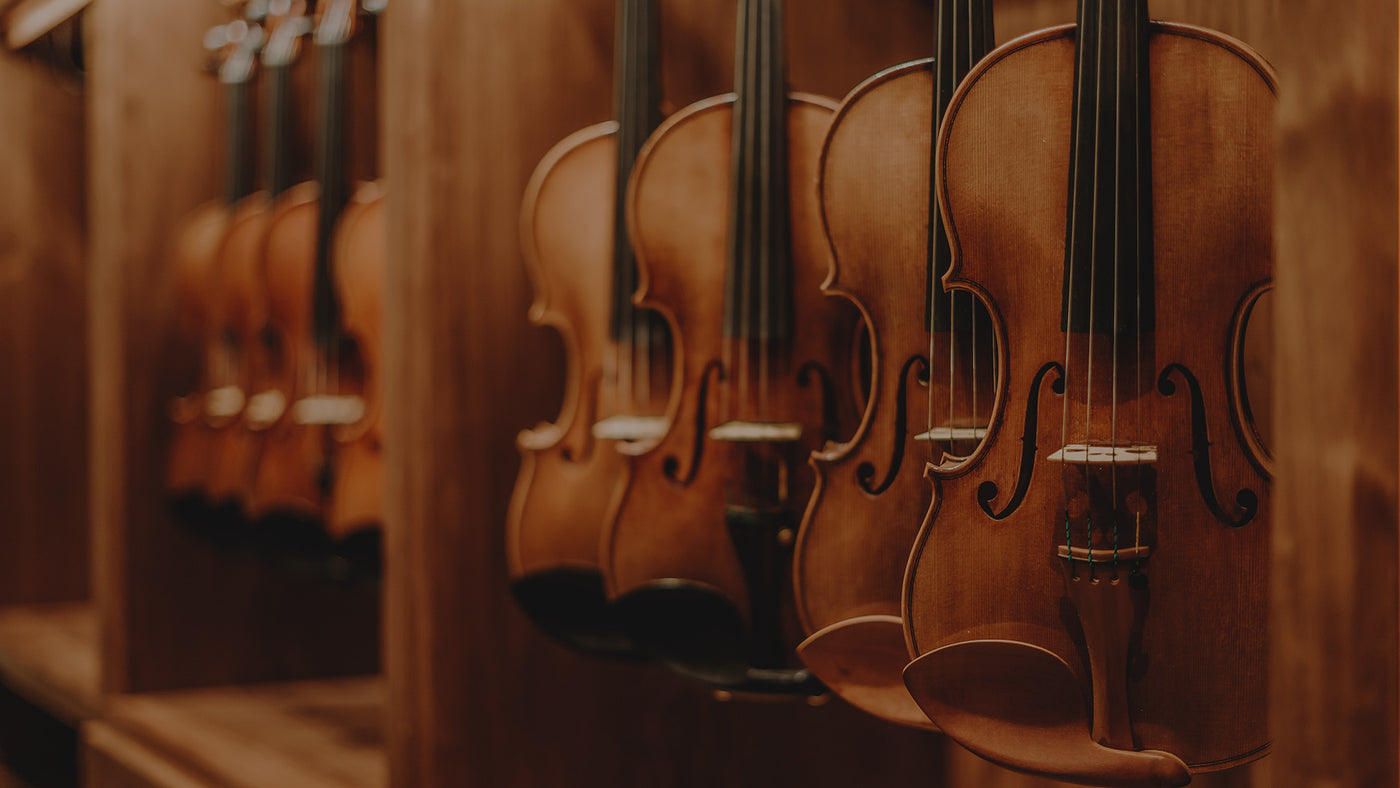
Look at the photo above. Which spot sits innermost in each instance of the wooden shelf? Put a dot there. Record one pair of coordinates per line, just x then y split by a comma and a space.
305, 734
48, 654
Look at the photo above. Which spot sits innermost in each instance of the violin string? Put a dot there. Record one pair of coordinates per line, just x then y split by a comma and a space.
768, 235
1117, 262
1081, 74
971, 299
625, 349
1094, 249
1144, 236
948, 78
934, 220
642, 97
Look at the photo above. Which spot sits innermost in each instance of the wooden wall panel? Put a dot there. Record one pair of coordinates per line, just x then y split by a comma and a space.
174, 611
43, 335
1335, 556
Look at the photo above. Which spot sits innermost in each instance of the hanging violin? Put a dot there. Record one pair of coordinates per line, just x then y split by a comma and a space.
578, 255
1088, 597
933, 368
319, 371
197, 248
248, 406
727, 234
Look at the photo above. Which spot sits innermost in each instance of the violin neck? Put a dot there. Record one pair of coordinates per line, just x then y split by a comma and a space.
334, 180
758, 292
637, 103
278, 173
1108, 275
964, 34
238, 178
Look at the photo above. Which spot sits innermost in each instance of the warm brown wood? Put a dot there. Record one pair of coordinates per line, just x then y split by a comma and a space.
27, 20
972, 579
48, 654
357, 496
457, 336
1334, 708
43, 340
317, 734
173, 611
114, 759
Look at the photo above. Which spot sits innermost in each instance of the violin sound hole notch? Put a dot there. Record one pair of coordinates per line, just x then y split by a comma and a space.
671, 465
865, 472
1247, 500
805, 374
987, 491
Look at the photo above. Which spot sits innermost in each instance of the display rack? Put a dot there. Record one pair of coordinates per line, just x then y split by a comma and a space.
170, 661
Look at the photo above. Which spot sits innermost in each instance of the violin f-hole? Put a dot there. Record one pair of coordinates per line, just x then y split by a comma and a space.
865, 472
987, 491
1246, 499
671, 466
813, 369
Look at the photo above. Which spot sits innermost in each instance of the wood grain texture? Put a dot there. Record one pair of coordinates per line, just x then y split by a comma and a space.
311, 734
173, 611
43, 336
1335, 567
48, 654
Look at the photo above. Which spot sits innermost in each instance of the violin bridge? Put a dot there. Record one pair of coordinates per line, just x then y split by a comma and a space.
328, 409
224, 402
1086, 556
945, 434
757, 432
1099, 454
630, 428
264, 409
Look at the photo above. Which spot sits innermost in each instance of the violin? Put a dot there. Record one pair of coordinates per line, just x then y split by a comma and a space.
726, 228
932, 368
196, 257
1088, 597
246, 407
584, 273
319, 371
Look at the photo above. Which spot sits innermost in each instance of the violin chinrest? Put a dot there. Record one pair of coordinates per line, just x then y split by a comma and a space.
1021, 706
862, 659
690, 626
571, 605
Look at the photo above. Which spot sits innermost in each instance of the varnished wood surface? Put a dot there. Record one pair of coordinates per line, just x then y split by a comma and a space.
43, 335
1334, 710
48, 654
314, 734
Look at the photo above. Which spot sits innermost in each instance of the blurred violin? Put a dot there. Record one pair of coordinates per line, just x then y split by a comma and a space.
578, 255
933, 368
197, 249
245, 407
319, 370
1089, 596
727, 232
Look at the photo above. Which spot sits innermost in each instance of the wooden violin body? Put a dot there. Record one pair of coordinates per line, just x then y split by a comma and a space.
703, 572
357, 493
871, 493
1130, 577
240, 314
299, 465
195, 251
570, 480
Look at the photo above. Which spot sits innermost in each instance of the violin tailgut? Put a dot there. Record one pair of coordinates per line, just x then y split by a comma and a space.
757, 432
1100, 454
